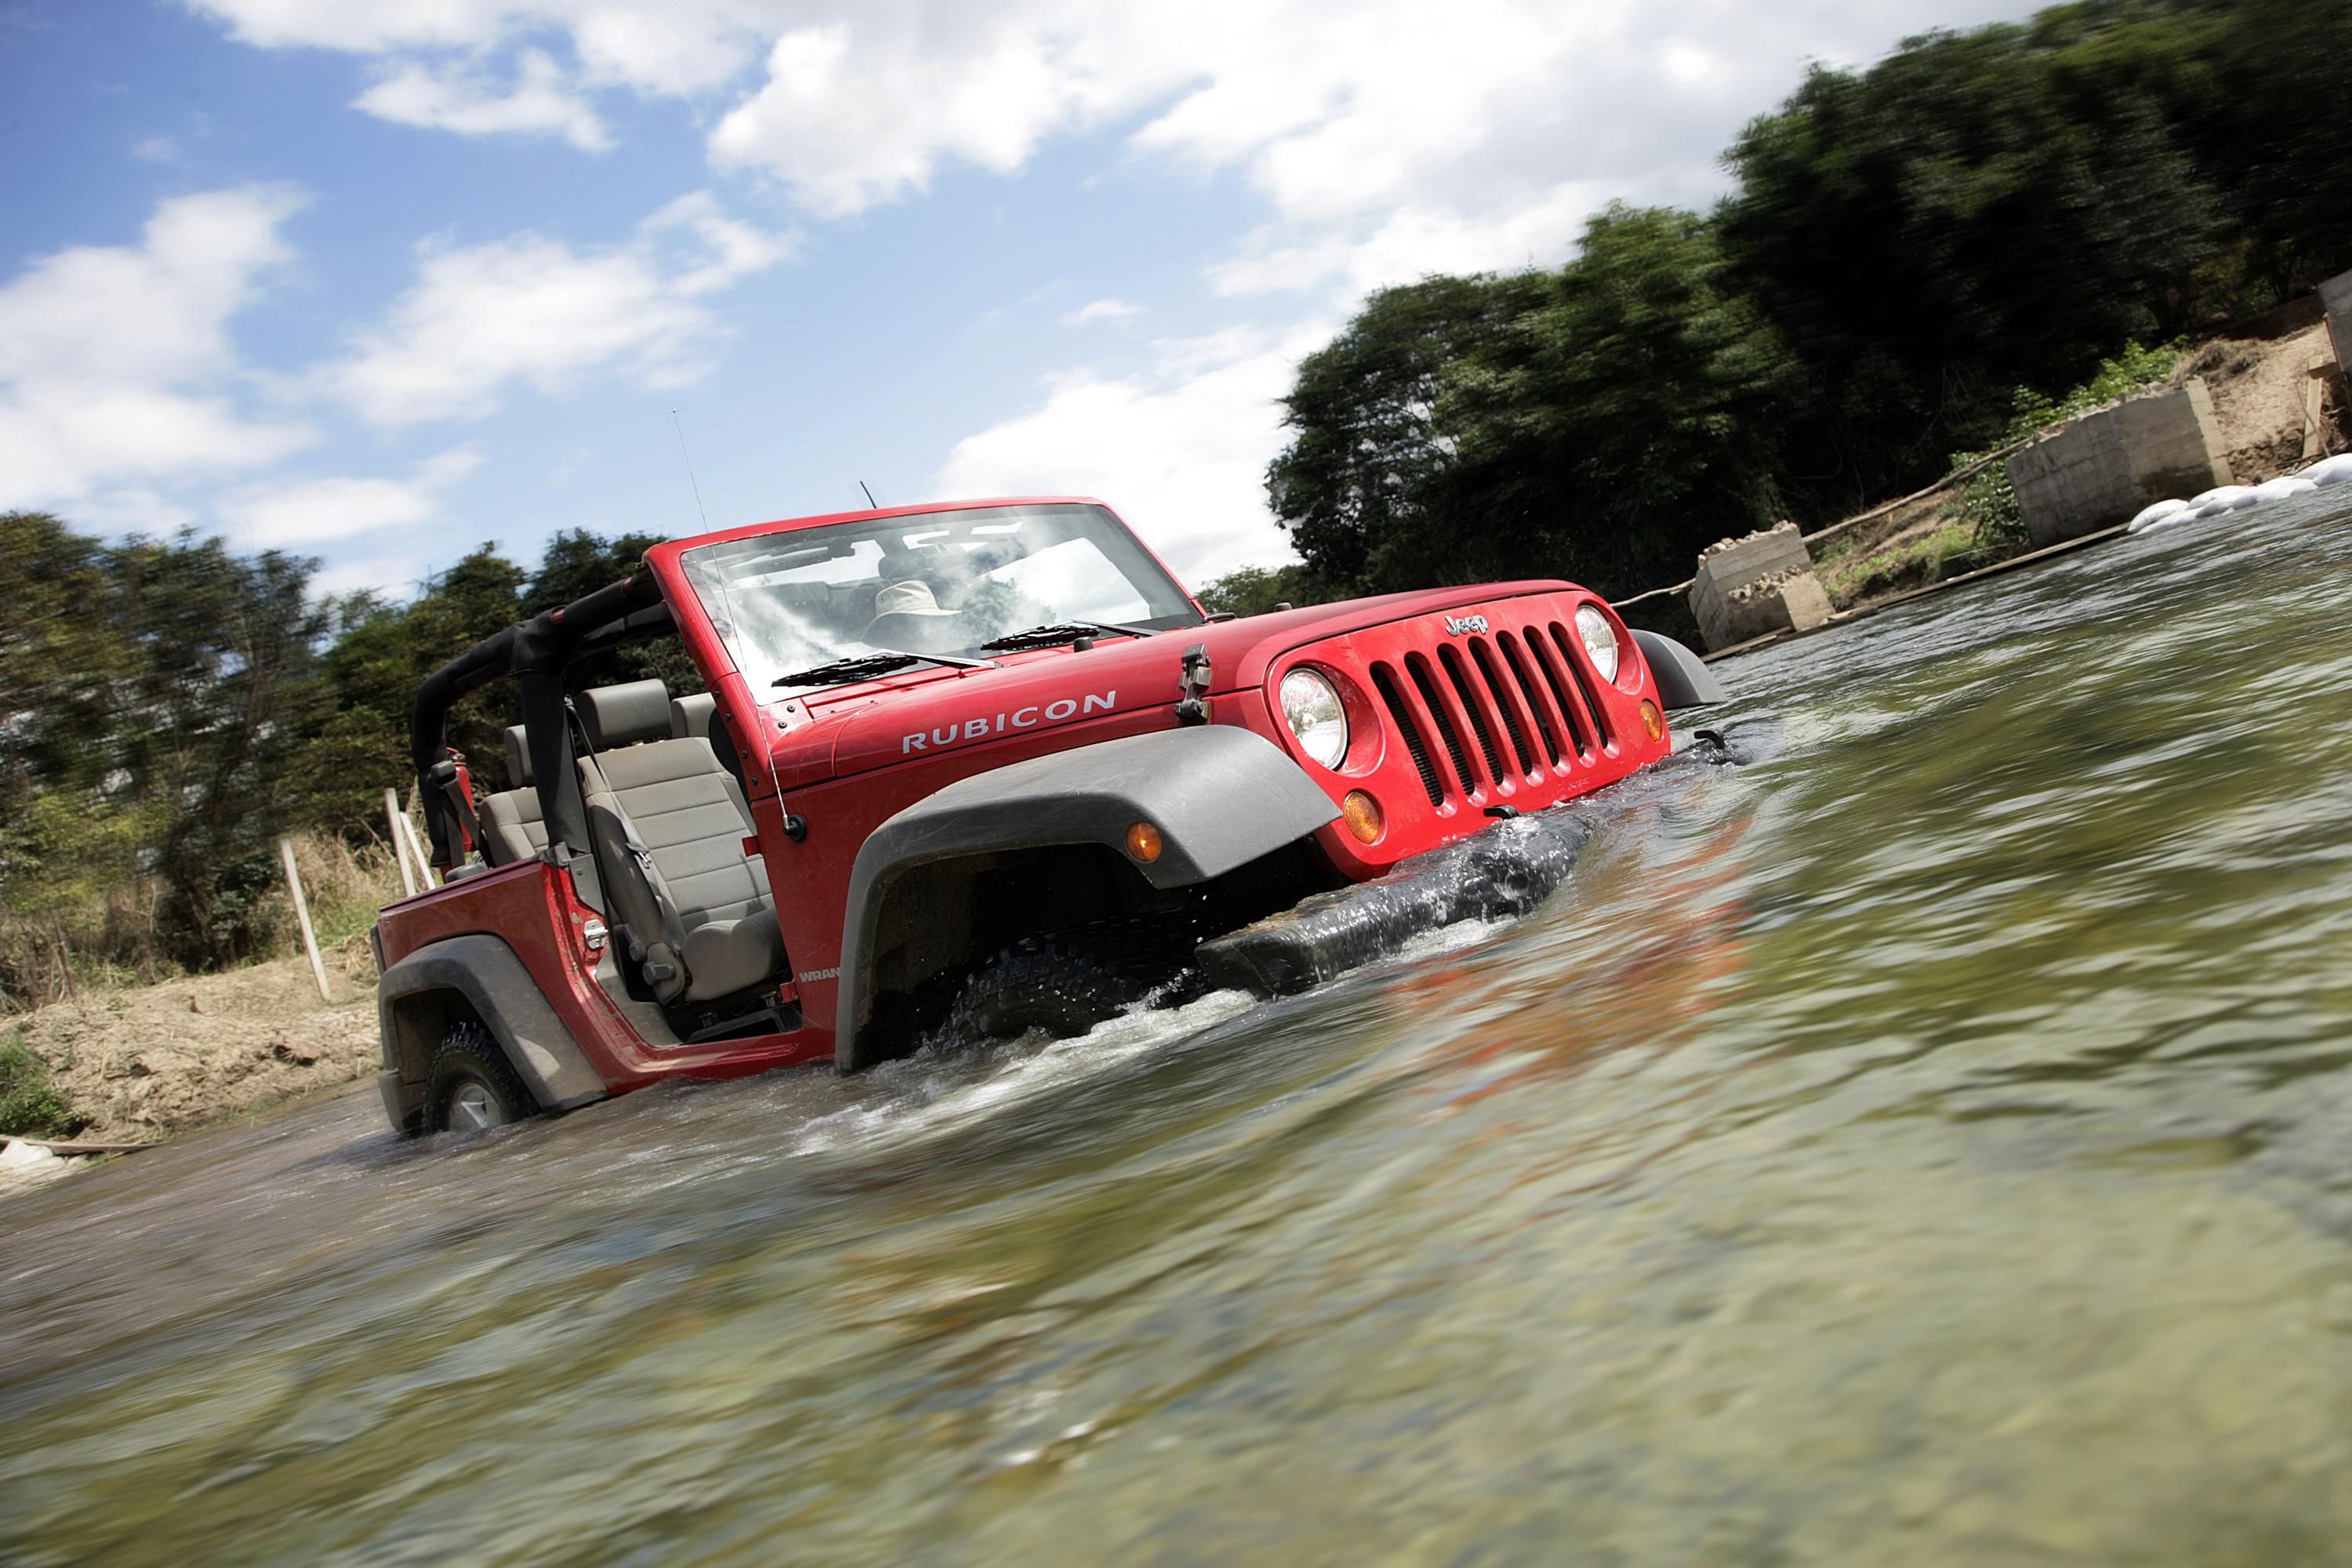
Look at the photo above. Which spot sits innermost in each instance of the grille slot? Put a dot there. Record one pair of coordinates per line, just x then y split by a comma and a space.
1473, 709
1515, 656
1384, 681
1579, 722
1571, 648
1417, 666
1506, 703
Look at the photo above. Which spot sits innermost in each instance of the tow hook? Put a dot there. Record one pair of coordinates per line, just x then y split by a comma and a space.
1193, 681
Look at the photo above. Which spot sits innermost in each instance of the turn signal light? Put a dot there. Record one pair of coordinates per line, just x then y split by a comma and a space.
1143, 842
1362, 814
1651, 718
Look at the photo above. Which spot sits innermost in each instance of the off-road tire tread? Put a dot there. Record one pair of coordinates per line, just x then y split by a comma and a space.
467, 1046
1067, 982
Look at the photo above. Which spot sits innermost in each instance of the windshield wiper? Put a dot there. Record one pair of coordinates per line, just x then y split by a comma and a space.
1065, 631
866, 667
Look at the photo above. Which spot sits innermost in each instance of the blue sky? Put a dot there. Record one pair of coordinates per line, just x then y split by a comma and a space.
378, 282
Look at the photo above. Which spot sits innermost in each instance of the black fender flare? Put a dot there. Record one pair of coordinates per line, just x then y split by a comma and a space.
487, 973
1221, 796
1684, 679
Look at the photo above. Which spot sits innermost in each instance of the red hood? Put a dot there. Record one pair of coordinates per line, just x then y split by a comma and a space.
852, 729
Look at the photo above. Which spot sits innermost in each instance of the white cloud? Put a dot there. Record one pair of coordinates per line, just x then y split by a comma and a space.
1180, 452
116, 368
531, 309
312, 511
1379, 133
1096, 310
156, 150
461, 98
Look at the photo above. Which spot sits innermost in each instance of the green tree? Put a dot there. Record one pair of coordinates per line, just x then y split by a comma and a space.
1356, 477
1254, 590
578, 563
1978, 212
206, 720
1617, 426
380, 655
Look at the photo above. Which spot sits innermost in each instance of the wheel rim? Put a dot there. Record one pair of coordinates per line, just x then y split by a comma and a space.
472, 1107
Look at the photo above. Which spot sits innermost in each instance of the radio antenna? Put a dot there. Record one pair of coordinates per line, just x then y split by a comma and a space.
689, 470
869, 495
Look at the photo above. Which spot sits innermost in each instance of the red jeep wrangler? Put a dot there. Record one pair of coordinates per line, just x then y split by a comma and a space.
983, 766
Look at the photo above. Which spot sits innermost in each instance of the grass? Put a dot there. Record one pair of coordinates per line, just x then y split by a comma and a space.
1952, 549
30, 1105
90, 937
1982, 524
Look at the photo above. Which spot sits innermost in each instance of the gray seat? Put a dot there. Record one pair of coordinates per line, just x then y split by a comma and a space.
698, 717
669, 826
513, 828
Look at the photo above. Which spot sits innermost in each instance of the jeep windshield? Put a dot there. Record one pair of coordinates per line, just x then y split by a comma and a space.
799, 602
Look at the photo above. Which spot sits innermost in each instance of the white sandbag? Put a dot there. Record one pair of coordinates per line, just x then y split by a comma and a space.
2247, 499
2202, 497
2226, 498
2151, 516
2283, 487
2173, 520
2336, 470
23, 1164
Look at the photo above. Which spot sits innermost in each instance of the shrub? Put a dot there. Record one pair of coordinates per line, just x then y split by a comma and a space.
30, 1105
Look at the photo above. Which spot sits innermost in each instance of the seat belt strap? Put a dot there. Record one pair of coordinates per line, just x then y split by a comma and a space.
673, 931
452, 785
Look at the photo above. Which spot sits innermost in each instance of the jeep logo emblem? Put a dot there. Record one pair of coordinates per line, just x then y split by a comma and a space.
1457, 624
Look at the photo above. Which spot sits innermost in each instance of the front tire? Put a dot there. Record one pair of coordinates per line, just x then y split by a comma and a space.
470, 1086
1062, 984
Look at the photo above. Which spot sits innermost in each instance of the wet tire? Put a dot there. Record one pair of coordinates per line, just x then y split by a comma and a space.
1063, 984
470, 1086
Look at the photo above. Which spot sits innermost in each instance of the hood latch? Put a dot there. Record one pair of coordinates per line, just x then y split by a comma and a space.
1193, 681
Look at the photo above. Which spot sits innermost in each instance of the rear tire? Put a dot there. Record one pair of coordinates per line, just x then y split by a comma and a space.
470, 1086
1063, 984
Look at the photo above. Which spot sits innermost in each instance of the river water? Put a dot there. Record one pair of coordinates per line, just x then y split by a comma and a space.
1929, 1141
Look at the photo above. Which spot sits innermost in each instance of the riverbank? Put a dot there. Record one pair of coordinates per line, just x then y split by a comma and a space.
136, 1064
2261, 388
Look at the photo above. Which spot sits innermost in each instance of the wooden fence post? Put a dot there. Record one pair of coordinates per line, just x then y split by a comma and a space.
416, 847
302, 914
399, 844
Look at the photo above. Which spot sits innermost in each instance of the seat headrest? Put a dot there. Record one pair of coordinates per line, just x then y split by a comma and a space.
691, 716
623, 715
517, 758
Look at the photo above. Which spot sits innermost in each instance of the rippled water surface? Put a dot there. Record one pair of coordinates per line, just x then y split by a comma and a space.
1927, 1141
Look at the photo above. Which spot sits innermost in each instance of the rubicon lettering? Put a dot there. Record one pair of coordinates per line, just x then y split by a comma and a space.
1004, 723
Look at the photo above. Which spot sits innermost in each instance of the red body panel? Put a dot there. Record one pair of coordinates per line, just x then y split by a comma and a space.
1506, 707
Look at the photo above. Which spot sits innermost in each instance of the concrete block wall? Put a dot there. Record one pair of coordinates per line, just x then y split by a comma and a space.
2335, 297
1751, 588
2101, 468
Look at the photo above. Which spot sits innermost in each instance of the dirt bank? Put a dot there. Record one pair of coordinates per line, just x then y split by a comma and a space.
147, 1061
2262, 402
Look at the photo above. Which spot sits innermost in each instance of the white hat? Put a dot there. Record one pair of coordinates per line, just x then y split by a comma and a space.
912, 597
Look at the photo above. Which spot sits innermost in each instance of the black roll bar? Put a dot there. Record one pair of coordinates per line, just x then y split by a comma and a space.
535, 653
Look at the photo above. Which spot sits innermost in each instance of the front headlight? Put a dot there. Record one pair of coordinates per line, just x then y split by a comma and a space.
1599, 640
1310, 706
